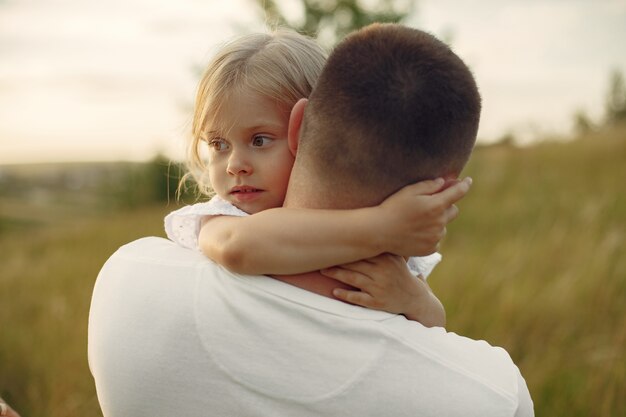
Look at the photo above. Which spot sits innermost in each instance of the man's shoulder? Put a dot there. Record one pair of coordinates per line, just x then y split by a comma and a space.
151, 261
478, 360
157, 249
145, 270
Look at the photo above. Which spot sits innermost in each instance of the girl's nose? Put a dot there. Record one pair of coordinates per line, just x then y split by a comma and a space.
238, 164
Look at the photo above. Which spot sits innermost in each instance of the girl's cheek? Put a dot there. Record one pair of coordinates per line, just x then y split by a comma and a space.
215, 161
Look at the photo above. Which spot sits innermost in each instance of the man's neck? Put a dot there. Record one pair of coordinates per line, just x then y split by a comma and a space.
303, 192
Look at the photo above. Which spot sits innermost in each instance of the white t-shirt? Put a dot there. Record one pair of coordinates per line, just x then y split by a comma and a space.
183, 227
172, 333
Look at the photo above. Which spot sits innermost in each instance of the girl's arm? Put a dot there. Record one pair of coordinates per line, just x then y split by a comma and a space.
386, 283
289, 241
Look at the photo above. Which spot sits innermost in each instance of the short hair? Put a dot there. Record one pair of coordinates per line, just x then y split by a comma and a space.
393, 106
282, 65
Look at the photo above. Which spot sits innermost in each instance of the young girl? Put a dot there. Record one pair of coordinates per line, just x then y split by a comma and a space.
242, 113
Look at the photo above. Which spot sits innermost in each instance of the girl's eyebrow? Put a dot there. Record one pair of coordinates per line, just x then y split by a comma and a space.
209, 134
260, 125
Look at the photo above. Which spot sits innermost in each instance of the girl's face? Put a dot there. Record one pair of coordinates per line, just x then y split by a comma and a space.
249, 157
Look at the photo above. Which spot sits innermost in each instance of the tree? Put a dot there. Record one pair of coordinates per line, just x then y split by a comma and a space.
331, 20
582, 123
616, 99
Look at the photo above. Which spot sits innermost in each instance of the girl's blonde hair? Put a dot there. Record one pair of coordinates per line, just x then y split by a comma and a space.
282, 65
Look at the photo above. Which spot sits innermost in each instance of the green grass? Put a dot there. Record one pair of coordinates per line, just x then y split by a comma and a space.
535, 263
45, 290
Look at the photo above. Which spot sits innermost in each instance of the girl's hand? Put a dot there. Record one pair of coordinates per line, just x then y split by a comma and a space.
413, 220
6, 410
386, 283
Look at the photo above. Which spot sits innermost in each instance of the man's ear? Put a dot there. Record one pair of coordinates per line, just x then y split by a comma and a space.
295, 123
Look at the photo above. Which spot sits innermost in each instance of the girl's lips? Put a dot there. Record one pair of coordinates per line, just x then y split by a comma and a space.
245, 193
242, 189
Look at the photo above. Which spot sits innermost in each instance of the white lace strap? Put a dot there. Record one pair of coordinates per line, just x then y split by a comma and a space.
424, 264
182, 226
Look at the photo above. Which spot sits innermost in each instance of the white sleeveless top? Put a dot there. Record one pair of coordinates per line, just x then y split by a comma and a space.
182, 226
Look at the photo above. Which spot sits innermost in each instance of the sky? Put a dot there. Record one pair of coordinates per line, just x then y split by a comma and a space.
115, 80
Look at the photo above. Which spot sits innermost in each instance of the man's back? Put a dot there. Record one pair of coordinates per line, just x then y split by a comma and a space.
170, 332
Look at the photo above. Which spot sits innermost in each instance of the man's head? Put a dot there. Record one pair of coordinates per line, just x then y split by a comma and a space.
393, 106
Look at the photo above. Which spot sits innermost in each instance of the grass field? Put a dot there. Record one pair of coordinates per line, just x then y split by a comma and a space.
536, 264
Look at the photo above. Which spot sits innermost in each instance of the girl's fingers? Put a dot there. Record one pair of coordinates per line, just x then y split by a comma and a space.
360, 298
454, 193
352, 278
426, 187
451, 213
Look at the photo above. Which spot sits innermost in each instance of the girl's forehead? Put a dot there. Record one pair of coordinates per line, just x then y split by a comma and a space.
245, 106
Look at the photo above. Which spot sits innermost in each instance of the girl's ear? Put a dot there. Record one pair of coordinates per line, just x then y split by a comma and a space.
295, 123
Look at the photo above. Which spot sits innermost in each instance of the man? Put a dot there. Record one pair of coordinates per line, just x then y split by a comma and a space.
173, 333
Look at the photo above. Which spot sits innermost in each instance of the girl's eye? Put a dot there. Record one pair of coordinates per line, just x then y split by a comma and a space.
260, 141
218, 144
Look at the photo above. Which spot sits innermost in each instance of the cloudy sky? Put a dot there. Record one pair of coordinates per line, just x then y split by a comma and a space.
105, 80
